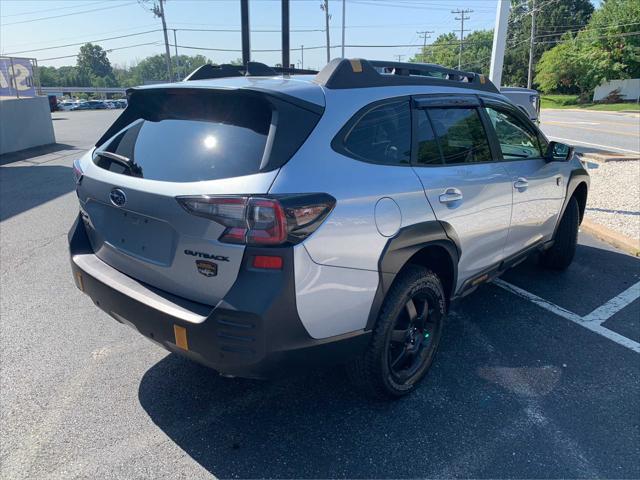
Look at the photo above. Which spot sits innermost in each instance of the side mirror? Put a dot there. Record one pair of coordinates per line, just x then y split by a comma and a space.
558, 152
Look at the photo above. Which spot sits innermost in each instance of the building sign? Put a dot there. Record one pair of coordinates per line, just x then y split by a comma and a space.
16, 74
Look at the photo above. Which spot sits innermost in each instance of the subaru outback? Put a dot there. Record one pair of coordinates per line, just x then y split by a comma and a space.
262, 224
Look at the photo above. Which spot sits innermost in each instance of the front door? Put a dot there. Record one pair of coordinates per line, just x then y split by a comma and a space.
538, 187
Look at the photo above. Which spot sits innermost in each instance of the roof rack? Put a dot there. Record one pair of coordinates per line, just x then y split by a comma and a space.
360, 73
253, 69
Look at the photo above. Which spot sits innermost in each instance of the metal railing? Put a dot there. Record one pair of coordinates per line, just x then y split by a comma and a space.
19, 77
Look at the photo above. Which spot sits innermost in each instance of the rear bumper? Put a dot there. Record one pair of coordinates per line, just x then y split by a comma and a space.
253, 332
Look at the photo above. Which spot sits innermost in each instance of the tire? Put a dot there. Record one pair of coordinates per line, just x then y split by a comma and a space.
380, 370
561, 254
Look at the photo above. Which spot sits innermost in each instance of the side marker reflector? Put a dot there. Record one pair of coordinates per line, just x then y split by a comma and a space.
79, 281
267, 262
181, 337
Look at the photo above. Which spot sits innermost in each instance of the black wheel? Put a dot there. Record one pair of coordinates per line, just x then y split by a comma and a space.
560, 255
405, 337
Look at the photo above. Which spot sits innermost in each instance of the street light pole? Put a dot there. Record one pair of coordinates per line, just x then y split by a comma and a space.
175, 45
343, 24
499, 42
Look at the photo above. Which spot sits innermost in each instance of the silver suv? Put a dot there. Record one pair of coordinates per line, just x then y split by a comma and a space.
260, 224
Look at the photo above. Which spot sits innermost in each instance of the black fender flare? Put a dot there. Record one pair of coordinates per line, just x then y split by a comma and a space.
577, 176
404, 245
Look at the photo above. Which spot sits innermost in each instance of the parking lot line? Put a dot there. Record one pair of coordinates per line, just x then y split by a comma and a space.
613, 306
593, 321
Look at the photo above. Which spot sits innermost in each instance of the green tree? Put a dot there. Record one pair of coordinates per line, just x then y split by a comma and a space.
602, 51
445, 50
93, 63
553, 20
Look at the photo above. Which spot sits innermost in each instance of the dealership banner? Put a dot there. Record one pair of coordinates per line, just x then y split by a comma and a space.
16, 77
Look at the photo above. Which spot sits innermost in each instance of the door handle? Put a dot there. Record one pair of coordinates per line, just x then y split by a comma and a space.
450, 195
521, 183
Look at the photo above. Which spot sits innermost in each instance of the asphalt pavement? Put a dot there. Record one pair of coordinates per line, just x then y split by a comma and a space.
594, 131
520, 388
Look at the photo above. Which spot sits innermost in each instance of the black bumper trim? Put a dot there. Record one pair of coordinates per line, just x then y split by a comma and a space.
254, 332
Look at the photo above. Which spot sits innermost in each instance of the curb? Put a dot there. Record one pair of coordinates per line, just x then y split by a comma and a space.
609, 157
628, 244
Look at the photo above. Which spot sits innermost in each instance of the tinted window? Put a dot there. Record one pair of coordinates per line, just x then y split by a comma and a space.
382, 135
428, 150
460, 135
516, 140
193, 139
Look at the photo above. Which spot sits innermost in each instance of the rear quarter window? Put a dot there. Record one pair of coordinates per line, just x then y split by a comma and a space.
382, 134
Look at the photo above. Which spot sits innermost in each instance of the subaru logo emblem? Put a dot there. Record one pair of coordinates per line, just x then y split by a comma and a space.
117, 197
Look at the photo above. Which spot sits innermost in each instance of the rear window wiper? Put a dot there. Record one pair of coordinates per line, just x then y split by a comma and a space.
121, 159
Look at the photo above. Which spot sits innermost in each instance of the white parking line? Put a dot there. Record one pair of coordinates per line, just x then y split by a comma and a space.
594, 320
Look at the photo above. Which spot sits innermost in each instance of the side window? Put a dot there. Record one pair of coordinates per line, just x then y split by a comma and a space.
382, 135
516, 140
428, 150
460, 135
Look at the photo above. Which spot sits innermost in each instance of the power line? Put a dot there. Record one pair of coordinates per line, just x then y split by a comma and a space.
32, 12
67, 14
82, 43
110, 50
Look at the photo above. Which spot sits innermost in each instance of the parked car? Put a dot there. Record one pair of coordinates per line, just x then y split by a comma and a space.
316, 219
66, 106
526, 99
90, 105
120, 103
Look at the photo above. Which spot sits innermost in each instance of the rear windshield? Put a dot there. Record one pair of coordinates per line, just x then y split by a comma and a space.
188, 137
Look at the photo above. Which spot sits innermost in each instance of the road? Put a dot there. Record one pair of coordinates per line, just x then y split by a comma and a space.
594, 131
520, 388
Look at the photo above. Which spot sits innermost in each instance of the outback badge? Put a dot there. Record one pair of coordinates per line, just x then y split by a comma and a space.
208, 269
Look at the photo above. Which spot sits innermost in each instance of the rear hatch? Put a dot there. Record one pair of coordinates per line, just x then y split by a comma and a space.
173, 142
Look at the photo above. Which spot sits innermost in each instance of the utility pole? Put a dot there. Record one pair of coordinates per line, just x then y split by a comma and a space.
175, 45
424, 34
286, 61
325, 7
302, 56
532, 43
499, 42
344, 8
158, 11
399, 57
462, 18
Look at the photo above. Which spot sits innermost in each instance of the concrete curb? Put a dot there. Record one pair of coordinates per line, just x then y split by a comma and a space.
616, 239
609, 157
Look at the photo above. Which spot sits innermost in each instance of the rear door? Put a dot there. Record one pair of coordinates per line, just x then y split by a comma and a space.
466, 185
181, 144
538, 188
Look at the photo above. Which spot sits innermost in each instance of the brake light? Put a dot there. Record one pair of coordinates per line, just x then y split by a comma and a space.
268, 220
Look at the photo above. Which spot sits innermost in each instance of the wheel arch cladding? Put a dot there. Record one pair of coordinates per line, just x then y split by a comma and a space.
426, 244
580, 194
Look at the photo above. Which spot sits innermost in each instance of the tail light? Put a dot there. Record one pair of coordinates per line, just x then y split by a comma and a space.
77, 172
264, 220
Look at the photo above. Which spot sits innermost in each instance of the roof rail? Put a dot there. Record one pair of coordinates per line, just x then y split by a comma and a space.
360, 73
252, 69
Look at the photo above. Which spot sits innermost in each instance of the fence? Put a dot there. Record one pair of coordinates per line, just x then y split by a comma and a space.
19, 77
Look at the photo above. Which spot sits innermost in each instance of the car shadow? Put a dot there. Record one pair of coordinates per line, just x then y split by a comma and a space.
468, 418
25, 187
31, 153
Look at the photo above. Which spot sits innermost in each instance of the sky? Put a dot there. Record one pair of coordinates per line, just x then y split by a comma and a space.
24, 28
